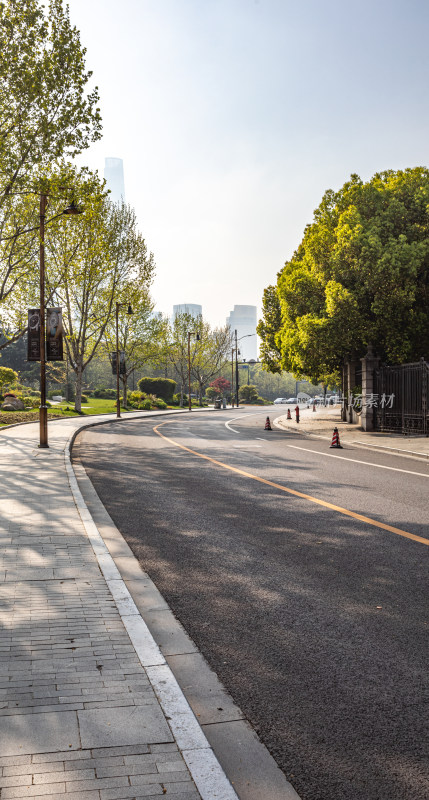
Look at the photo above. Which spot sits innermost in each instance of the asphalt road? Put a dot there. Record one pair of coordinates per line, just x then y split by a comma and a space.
316, 622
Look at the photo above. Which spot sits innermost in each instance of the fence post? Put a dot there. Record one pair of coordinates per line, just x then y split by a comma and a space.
370, 362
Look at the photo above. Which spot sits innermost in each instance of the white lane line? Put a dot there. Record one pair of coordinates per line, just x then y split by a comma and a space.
227, 425
356, 461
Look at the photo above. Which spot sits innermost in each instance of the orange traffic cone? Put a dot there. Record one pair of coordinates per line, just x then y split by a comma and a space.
336, 439
268, 424
289, 416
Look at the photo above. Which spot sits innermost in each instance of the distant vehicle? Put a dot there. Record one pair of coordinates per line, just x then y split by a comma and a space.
292, 400
281, 400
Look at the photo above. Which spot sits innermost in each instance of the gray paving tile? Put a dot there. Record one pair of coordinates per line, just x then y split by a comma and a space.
39, 733
103, 727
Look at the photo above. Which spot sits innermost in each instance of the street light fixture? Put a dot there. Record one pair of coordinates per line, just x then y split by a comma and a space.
72, 209
118, 401
197, 335
246, 335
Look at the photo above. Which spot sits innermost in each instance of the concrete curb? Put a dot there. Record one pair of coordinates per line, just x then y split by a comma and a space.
203, 765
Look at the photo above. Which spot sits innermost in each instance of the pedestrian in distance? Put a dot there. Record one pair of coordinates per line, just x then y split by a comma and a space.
289, 415
297, 413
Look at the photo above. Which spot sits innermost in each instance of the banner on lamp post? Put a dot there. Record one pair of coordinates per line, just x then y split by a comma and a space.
33, 338
54, 334
122, 365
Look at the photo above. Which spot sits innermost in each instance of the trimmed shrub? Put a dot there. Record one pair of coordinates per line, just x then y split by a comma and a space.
145, 405
159, 403
31, 402
105, 394
84, 398
161, 387
136, 397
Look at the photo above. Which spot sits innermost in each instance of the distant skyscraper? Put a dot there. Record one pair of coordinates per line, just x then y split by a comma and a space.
114, 176
188, 308
243, 320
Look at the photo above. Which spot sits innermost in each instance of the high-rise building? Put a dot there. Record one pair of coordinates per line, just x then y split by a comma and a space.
243, 320
114, 177
188, 308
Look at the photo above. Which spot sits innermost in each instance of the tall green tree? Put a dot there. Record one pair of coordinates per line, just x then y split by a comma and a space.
47, 114
139, 334
176, 348
210, 354
46, 110
359, 276
93, 259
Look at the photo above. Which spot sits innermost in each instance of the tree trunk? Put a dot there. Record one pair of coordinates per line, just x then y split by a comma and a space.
78, 390
124, 379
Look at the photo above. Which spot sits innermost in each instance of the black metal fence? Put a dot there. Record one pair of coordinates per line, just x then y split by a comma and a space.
402, 398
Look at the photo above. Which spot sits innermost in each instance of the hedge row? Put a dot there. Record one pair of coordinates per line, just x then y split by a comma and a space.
161, 387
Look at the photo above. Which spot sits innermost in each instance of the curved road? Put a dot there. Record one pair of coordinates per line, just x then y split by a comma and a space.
314, 619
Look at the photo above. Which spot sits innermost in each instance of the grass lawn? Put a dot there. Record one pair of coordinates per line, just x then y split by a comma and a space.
95, 405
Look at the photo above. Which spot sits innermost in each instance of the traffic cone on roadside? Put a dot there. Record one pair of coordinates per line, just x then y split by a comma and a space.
336, 439
289, 416
268, 424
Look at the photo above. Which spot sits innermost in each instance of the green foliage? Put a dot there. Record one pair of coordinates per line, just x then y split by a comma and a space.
159, 403
248, 393
176, 399
135, 397
161, 387
268, 328
360, 276
106, 394
7, 375
31, 402
84, 398
42, 89
145, 405
47, 115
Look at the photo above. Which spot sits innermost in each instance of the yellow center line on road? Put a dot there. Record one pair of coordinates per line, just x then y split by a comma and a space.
287, 490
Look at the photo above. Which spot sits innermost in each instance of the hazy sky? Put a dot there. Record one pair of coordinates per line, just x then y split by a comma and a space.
234, 116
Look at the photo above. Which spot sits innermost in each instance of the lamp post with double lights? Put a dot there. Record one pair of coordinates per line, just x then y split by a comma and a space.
118, 366
197, 335
72, 209
246, 335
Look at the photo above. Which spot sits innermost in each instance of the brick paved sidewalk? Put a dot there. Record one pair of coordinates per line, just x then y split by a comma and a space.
79, 715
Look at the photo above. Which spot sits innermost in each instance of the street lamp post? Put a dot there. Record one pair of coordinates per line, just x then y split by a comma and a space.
43, 409
246, 335
232, 377
236, 369
118, 401
190, 333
